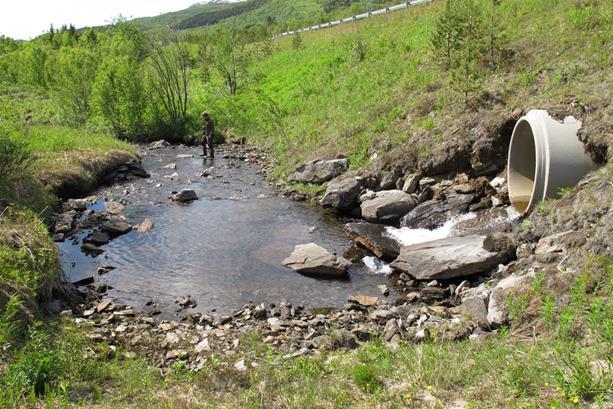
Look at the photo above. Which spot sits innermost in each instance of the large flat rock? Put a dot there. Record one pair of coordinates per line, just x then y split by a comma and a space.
450, 258
319, 171
434, 213
374, 238
312, 259
387, 206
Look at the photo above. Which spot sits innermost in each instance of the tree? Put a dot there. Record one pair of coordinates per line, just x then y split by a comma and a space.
119, 96
169, 78
231, 59
74, 73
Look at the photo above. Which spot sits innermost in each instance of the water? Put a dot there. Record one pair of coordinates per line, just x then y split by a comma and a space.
469, 223
224, 250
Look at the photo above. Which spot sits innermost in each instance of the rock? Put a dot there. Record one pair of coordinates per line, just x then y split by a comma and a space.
105, 269
313, 259
391, 329
319, 171
202, 346
103, 305
78, 204
384, 289
387, 206
92, 249
551, 248
240, 366
497, 310
58, 237
342, 194
374, 238
184, 156
184, 196
411, 183
380, 315
117, 227
365, 300
343, 339
448, 258
158, 144
145, 226
434, 213
388, 181
172, 166
475, 309
433, 293
113, 207
98, 238
488, 221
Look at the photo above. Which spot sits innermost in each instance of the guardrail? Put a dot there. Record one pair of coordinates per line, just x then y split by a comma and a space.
397, 7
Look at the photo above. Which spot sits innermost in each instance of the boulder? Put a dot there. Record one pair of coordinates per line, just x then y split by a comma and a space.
448, 258
98, 238
342, 194
374, 238
158, 144
387, 206
475, 309
313, 259
184, 196
117, 227
319, 171
411, 183
434, 213
497, 310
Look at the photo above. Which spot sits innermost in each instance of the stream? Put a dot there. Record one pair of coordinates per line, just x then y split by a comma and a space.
224, 249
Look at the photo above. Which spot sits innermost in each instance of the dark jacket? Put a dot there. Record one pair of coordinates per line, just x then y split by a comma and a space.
208, 127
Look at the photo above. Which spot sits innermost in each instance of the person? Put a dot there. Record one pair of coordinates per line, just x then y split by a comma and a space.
207, 139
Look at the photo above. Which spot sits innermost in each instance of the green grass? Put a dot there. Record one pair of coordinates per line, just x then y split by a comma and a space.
393, 99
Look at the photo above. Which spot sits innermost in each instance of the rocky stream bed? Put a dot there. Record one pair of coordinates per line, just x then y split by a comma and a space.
182, 259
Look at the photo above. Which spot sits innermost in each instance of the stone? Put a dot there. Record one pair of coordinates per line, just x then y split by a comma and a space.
113, 207
391, 329
342, 194
158, 144
475, 309
374, 237
485, 222
184, 156
448, 258
202, 346
105, 269
388, 181
145, 226
384, 289
387, 206
319, 171
92, 249
411, 183
313, 259
98, 238
103, 305
497, 310
365, 300
117, 227
58, 237
184, 196
434, 213
240, 366
172, 166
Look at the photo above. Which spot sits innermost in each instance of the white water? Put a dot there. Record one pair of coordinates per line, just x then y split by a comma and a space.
376, 266
406, 236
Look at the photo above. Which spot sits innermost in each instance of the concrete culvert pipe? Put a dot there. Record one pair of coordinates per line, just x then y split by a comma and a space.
545, 156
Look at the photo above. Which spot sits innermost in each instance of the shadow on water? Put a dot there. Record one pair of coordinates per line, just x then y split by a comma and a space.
225, 249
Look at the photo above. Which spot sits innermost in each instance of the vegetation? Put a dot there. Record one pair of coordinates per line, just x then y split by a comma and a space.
395, 86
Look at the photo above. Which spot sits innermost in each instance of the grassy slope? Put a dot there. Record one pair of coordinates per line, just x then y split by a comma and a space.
397, 100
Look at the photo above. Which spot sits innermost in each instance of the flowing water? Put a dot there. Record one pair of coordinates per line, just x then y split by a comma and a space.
224, 249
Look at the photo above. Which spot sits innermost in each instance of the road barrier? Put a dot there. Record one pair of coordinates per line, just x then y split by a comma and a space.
397, 7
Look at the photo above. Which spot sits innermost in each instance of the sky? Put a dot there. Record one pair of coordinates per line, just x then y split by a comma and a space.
26, 19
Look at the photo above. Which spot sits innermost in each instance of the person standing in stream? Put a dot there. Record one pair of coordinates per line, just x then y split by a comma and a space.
207, 139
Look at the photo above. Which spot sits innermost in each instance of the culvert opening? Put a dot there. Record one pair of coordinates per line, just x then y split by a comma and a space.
522, 166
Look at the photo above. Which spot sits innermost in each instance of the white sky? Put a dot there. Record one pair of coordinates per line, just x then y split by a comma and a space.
25, 19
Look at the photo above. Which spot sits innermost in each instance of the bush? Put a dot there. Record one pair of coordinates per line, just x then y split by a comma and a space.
14, 156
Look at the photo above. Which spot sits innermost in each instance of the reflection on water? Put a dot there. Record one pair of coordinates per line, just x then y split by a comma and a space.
224, 249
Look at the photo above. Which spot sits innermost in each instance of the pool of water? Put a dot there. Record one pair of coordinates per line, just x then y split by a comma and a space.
224, 249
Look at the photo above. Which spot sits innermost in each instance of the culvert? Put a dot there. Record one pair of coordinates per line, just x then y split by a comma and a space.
545, 156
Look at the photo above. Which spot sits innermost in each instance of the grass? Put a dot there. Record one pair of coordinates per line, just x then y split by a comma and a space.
391, 97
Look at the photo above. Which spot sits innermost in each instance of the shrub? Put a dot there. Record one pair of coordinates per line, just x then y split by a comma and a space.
14, 156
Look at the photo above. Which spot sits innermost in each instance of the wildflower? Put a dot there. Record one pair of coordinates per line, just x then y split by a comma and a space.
546, 385
429, 387
575, 400
408, 396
